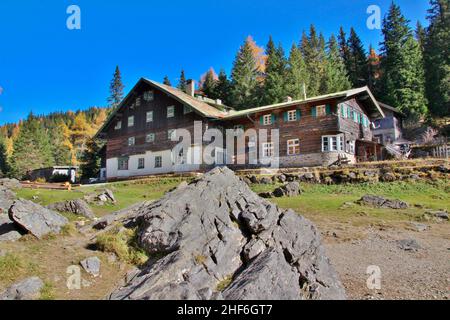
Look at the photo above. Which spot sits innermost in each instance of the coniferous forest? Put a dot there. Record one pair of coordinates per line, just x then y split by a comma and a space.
410, 70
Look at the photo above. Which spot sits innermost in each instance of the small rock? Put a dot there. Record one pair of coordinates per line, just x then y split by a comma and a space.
28, 289
441, 214
78, 207
291, 189
388, 177
266, 180
408, 245
281, 178
266, 195
92, 266
380, 202
419, 226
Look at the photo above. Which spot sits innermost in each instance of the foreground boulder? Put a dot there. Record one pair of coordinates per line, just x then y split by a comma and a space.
28, 289
78, 207
36, 219
8, 230
6, 199
380, 202
221, 241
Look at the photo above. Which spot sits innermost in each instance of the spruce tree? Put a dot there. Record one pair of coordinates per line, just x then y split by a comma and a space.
297, 74
275, 75
166, 81
4, 164
313, 49
182, 83
420, 34
244, 75
91, 159
222, 89
116, 89
357, 61
343, 48
335, 78
209, 83
437, 58
62, 148
402, 66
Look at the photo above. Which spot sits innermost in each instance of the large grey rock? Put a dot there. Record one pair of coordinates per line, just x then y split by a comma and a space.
219, 240
6, 199
291, 189
78, 207
8, 230
380, 202
107, 196
28, 289
10, 183
92, 266
36, 219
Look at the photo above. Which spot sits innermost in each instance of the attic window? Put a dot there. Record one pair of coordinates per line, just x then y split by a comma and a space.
131, 121
187, 109
138, 101
170, 111
148, 96
118, 125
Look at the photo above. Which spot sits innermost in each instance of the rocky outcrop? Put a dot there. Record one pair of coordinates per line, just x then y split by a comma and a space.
28, 289
107, 196
78, 207
6, 199
380, 202
35, 219
13, 184
221, 241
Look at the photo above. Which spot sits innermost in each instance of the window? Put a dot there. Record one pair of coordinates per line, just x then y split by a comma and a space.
238, 127
150, 138
158, 162
292, 115
343, 109
267, 149
123, 164
351, 146
321, 111
332, 143
118, 125
171, 134
149, 117
141, 163
187, 109
267, 120
148, 96
138, 102
355, 116
131, 141
293, 147
131, 121
171, 112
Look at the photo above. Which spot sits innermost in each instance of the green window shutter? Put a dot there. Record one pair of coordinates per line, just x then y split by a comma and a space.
299, 114
343, 110
274, 118
261, 120
285, 116
328, 109
313, 112
349, 114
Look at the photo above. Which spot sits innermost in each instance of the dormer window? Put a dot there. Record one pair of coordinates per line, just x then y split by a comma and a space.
118, 125
138, 101
148, 96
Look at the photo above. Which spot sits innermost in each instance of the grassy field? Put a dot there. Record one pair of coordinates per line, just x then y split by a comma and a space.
335, 201
126, 193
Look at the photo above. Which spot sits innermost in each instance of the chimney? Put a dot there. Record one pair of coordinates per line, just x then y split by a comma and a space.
190, 87
219, 101
288, 99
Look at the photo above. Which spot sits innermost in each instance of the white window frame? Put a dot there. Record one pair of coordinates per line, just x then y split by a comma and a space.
268, 149
131, 141
171, 133
149, 95
170, 111
158, 161
293, 143
334, 142
131, 121
292, 115
149, 116
140, 167
122, 164
352, 146
150, 137
138, 102
321, 111
267, 119
118, 125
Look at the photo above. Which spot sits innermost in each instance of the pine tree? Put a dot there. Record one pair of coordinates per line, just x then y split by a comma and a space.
116, 89
343, 47
274, 88
335, 78
402, 67
357, 61
437, 58
182, 83
4, 164
91, 159
244, 76
420, 34
167, 81
208, 84
32, 148
297, 75
222, 89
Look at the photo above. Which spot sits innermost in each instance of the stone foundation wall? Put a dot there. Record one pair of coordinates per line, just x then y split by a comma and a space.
322, 159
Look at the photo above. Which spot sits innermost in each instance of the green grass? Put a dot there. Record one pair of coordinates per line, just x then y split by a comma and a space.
12, 267
47, 292
126, 193
327, 201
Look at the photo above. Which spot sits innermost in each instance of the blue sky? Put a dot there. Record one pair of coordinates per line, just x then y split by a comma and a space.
45, 67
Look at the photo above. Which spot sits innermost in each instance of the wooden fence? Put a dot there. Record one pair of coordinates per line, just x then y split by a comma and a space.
441, 151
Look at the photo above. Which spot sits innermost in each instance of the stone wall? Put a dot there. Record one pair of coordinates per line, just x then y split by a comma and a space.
313, 159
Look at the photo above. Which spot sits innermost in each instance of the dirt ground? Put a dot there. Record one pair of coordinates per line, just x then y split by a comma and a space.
421, 274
